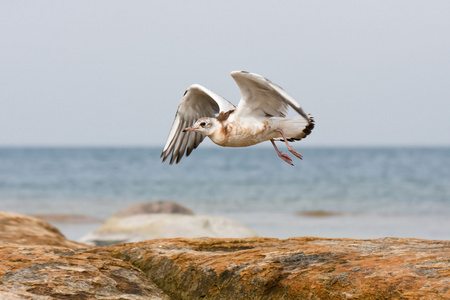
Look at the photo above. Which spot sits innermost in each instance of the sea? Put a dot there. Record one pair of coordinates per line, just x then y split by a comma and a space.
366, 192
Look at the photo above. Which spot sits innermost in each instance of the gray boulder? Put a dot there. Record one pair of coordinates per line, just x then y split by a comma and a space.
160, 219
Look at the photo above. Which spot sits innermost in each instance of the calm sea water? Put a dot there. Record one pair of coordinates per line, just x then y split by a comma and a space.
369, 192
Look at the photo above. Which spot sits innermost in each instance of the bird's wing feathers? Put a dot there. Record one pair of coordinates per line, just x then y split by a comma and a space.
197, 102
262, 98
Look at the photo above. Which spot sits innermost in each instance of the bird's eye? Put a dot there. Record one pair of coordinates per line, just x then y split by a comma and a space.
203, 124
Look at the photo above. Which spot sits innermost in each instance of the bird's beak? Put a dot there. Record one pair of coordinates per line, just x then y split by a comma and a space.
189, 129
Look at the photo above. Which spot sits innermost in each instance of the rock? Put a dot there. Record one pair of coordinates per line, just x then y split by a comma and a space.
49, 272
162, 219
318, 213
155, 207
297, 268
39, 263
17, 295
26, 230
152, 226
213, 268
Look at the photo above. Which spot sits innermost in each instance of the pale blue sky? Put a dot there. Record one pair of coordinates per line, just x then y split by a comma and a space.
101, 73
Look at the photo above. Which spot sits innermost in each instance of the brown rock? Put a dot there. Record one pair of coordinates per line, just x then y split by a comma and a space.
155, 207
26, 230
297, 268
39, 263
249, 268
48, 272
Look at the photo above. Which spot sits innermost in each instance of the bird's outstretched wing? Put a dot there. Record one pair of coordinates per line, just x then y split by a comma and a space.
262, 99
197, 102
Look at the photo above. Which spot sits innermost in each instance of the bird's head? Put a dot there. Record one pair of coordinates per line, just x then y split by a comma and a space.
205, 126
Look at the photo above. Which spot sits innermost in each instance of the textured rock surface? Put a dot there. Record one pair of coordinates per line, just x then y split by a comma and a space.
152, 226
48, 272
25, 230
298, 268
249, 268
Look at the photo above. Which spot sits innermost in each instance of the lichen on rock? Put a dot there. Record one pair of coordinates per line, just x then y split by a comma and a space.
38, 263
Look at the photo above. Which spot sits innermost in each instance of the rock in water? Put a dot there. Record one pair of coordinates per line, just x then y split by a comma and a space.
152, 226
162, 219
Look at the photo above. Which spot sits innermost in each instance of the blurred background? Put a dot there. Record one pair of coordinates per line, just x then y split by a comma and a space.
89, 89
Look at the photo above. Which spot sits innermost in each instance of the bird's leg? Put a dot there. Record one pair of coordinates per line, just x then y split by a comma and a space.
289, 146
284, 157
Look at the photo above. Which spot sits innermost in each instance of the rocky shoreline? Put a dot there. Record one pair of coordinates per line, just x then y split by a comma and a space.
39, 263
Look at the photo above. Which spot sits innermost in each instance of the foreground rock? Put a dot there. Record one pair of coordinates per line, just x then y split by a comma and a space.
208, 268
38, 262
48, 272
298, 268
162, 219
25, 230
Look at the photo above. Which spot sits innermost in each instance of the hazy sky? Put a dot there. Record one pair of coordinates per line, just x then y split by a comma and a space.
112, 72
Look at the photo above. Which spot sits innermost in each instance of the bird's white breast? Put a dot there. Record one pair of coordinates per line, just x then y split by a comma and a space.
235, 134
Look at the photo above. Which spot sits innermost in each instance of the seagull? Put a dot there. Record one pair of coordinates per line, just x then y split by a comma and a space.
259, 117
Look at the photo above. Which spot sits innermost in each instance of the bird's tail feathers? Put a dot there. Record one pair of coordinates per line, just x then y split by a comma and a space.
295, 128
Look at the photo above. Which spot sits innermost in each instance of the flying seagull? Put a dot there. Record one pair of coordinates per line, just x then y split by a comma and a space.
259, 117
